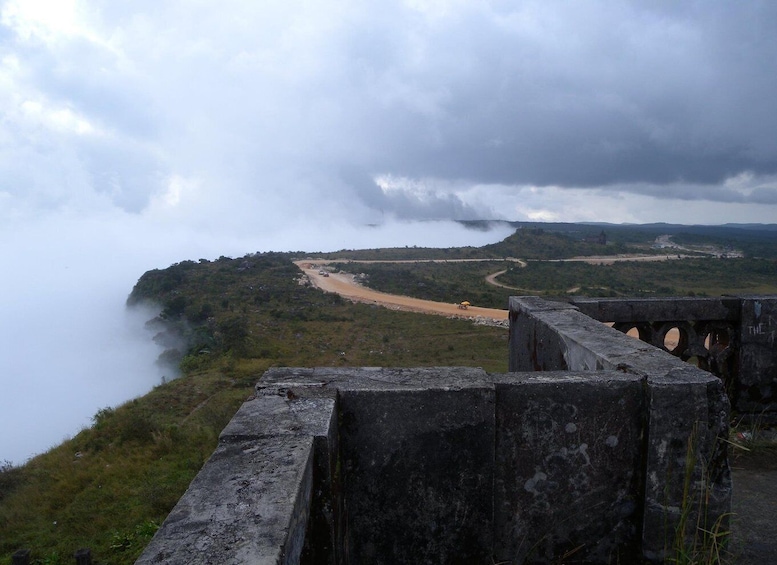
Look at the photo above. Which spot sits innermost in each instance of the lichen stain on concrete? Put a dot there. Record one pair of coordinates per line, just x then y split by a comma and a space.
654, 480
531, 484
581, 450
661, 449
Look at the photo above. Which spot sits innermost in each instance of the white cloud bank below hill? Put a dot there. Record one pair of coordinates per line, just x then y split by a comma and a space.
68, 346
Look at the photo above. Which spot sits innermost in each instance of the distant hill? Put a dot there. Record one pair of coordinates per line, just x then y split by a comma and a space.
755, 240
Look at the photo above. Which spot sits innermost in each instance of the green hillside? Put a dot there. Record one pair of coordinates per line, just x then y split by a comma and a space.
225, 322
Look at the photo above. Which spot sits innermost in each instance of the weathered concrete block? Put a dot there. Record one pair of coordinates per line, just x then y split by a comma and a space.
568, 468
249, 504
275, 414
534, 347
418, 475
659, 309
371, 378
253, 502
307, 408
687, 415
686, 462
543, 338
756, 389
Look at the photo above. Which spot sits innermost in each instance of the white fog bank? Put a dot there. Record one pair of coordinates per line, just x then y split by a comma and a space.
68, 345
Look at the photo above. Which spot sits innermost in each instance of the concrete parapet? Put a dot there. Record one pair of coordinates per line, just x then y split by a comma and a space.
685, 458
415, 460
595, 448
418, 471
757, 383
442, 465
733, 337
568, 468
652, 309
251, 502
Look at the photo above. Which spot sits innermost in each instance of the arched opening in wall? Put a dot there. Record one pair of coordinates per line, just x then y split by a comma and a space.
720, 341
640, 331
717, 338
673, 337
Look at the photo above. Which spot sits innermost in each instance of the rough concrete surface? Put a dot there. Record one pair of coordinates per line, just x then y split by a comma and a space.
568, 475
339, 466
654, 309
246, 505
687, 410
418, 472
757, 379
372, 378
733, 337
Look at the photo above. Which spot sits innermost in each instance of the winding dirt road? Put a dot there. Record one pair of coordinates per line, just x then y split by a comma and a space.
491, 279
610, 259
345, 285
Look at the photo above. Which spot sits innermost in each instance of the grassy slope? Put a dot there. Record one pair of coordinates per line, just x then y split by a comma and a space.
700, 277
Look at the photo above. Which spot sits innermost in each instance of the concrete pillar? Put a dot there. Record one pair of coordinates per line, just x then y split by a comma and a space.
568, 477
687, 413
756, 391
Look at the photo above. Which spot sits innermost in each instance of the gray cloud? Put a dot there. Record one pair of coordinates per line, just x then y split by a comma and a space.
582, 95
596, 98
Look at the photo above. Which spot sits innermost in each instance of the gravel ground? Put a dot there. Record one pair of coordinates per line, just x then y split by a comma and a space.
754, 524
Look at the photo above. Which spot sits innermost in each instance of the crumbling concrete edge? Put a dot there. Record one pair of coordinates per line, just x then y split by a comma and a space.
251, 501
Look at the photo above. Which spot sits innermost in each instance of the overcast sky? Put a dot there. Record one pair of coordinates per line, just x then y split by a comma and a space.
136, 134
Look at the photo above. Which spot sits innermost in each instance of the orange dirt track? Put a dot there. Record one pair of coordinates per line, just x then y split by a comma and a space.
345, 285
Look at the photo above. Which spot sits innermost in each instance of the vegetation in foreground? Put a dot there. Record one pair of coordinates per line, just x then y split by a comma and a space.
109, 487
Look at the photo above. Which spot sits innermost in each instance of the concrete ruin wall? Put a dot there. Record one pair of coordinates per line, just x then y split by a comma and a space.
732, 337
454, 465
687, 411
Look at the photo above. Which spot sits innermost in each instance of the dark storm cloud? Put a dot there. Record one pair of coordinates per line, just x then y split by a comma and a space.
763, 196
596, 95
420, 201
247, 97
